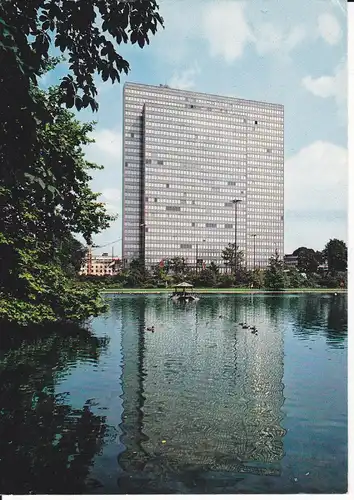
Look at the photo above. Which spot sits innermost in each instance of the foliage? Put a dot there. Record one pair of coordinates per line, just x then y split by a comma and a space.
178, 266
308, 259
70, 254
83, 31
41, 292
295, 279
336, 254
274, 276
243, 277
45, 194
257, 278
228, 256
37, 250
208, 277
50, 444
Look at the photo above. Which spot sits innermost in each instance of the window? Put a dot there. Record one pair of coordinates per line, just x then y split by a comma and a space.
210, 224
167, 185
173, 209
193, 224
155, 200
185, 246
159, 162
229, 226
131, 134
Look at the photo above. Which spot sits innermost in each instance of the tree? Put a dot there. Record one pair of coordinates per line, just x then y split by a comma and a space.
257, 278
208, 276
308, 259
228, 256
36, 225
178, 265
295, 279
274, 276
44, 193
336, 254
83, 31
214, 268
70, 254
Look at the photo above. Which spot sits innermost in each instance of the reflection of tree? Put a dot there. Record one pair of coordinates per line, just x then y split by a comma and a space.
47, 446
314, 314
337, 320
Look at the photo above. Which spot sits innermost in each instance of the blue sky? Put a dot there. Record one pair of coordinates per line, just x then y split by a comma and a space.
288, 52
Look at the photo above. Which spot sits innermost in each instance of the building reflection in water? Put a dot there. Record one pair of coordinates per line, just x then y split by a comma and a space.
201, 392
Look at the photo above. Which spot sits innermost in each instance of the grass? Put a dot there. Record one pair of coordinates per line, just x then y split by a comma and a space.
222, 290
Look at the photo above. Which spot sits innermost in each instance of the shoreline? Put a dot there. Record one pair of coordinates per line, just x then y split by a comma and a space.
164, 291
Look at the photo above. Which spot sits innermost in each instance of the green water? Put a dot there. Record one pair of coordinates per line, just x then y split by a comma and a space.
200, 405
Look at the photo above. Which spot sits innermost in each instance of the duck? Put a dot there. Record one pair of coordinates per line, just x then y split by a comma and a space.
150, 328
254, 329
245, 327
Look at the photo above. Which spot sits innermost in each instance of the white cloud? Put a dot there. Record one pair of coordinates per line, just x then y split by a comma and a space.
316, 178
184, 80
111, 197
329, 85
107, 151
270, 38
315, 196
329, 28
225, 27
108, 141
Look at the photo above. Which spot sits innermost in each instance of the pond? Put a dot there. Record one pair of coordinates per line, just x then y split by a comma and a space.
199, 405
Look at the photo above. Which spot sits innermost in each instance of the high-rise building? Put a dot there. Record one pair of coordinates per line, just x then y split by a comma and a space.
186, 157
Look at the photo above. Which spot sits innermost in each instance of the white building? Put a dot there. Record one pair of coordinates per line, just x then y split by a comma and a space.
100, 265
186, 156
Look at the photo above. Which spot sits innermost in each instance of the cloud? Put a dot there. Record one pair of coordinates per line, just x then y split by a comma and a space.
184, 80
329, 85
225, 27
329, 28
108, 141
107, 151
111, 197
315, 196
316, 178
270, 38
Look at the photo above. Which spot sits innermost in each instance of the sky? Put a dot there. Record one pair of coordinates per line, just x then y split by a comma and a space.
288, 52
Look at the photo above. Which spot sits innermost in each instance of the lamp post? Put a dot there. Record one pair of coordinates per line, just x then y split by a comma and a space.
196, 258
254, 251
236, 202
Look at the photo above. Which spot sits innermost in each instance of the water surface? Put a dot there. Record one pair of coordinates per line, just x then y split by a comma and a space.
200, 405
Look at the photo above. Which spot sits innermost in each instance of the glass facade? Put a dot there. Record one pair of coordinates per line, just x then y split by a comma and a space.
187, 155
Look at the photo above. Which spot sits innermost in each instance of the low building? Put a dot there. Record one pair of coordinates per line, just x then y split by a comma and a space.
100, 265
291, 261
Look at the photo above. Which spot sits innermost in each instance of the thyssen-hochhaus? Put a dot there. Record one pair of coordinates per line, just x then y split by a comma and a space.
187, 156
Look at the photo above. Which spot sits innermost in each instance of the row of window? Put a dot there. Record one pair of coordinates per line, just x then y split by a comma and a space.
209, 156
214, 135
165, 121
176, 97
132, 125
198, 146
